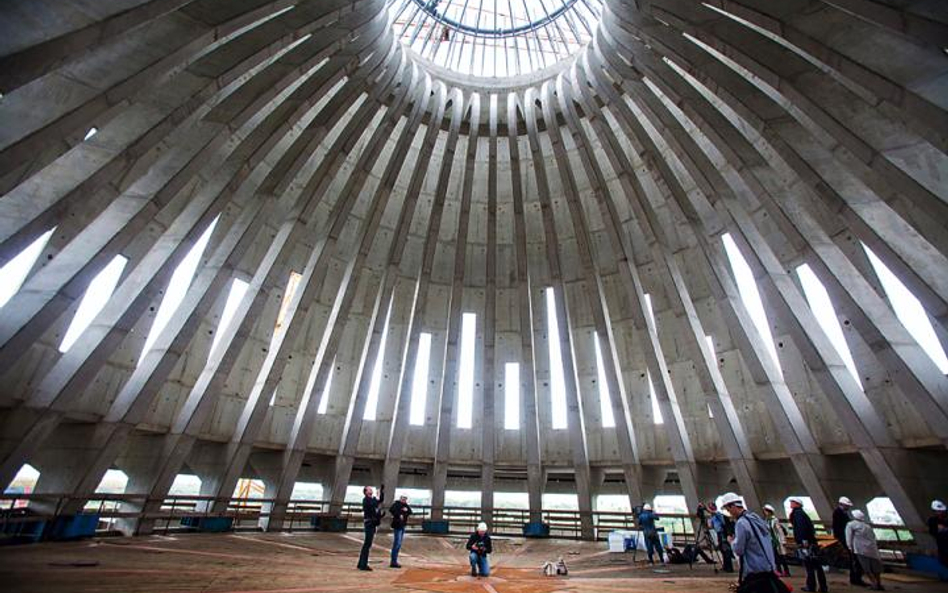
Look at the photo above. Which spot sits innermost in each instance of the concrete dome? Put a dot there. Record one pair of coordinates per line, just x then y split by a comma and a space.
610, 192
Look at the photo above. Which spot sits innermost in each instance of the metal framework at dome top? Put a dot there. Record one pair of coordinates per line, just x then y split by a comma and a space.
495, 38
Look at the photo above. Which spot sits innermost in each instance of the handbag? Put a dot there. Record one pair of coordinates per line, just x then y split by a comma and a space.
763, 582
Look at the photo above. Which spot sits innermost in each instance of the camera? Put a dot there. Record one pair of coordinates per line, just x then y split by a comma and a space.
702, 511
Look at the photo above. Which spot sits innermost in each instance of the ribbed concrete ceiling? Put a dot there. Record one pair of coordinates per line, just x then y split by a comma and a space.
404, 194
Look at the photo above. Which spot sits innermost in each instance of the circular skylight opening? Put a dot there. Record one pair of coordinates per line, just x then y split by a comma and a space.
495, 38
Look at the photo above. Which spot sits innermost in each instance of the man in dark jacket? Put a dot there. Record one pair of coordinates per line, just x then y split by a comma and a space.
646, 521
840, 519
805, 536
478, 544
400, 512
371, 518
938, 528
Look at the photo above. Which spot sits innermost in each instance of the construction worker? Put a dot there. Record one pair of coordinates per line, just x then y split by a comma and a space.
778, 538
646, 521
861, 541
841, 518
807, 547
722, 529
938, 528
751, 543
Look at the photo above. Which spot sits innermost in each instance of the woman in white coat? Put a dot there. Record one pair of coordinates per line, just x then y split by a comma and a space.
861, 540
778, 537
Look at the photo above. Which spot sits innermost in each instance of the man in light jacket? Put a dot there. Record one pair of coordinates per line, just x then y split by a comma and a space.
751, 543
778, 537
861, 541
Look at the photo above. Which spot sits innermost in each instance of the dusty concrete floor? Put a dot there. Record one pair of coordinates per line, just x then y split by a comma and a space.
311, 562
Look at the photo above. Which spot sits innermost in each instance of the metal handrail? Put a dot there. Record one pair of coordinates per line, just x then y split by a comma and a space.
505, 521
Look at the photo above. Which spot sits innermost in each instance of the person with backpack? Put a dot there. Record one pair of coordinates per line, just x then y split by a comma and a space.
400, 512
722, 530
371, 518
751, 543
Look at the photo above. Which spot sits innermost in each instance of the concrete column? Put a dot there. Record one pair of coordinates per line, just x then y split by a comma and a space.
306, 416
450, 384
490, 425
535, 476
573, 405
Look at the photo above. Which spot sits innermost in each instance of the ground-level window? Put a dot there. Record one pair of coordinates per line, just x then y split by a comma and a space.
553, 501
881, 511
307, 491
462, 498
24, 482
511, 500
808, 506
416, 496
613, 503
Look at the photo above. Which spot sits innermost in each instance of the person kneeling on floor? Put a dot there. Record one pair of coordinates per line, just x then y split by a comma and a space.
478, 544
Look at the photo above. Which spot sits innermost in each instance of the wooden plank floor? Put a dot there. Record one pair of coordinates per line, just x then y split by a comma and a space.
311, 563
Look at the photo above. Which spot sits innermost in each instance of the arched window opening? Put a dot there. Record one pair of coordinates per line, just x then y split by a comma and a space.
24, 482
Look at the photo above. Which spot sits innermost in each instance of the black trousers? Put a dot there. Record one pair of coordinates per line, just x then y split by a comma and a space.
366, 545
695, 552
814, 573
727, 556
781, 561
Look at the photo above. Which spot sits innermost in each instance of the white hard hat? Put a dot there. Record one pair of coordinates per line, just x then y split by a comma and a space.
859, 515
646, 507
938, 505
796, 499
769, 507
845, 500
482, 526
732, 498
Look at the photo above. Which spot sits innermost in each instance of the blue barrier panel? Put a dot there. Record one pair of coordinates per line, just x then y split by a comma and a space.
536, 529
432, 526
209, 524
73, 526
331, 524
929, 564
24, 532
